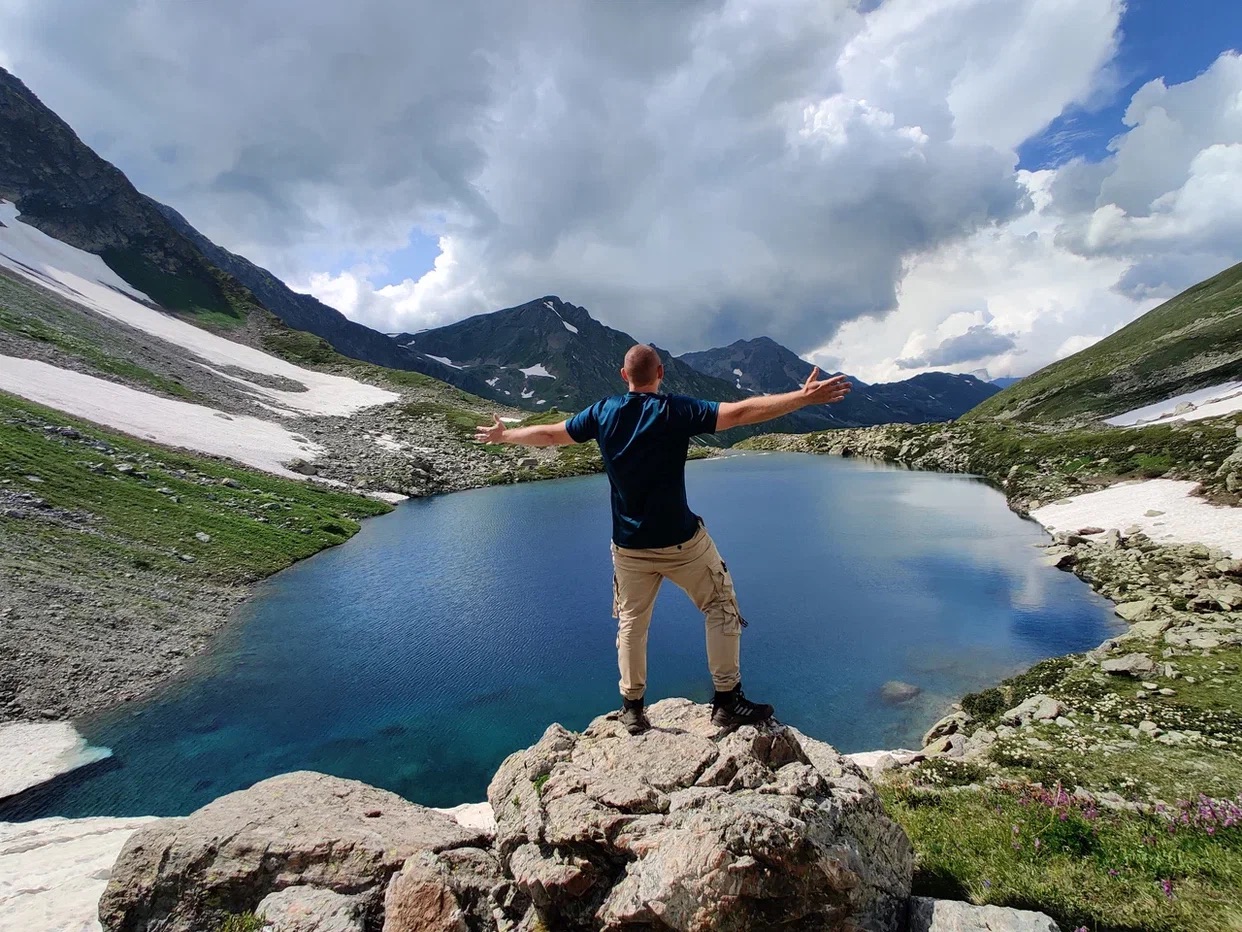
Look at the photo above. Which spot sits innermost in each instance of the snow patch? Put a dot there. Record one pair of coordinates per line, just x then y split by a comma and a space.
1216, 401
538, 370
85, 279
542, 401
34, 752
445, 360
511, 420
1184, 519
527, 394
738, 372
393, 498
492, 382
239, 437
386, 442
478, 817
53, 871
568, 326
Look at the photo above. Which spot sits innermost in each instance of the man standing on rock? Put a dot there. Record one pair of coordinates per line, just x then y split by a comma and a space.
644, 437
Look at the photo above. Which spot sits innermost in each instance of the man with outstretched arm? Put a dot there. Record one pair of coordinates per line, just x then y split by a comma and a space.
644, 436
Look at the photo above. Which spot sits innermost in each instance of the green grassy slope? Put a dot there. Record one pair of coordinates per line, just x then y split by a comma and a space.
1191, 341
140, 506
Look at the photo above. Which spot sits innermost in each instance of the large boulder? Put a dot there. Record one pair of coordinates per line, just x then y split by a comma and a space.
928, 915
453, 891
688, 827
298, 829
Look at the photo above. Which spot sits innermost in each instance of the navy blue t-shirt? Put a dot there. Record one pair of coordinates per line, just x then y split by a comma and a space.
644, 438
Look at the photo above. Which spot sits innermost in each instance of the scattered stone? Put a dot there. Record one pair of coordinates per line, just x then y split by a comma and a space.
947, 746
951, 724
1152, 513
202, 537
1138, 610
1060, 557
1038, 708
1149, 728
303, 467
928, 915
1130, 665
528, 462
1088, 531
231, 483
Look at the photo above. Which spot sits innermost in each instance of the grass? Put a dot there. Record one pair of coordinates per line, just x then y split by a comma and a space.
1191, 341
31, 313
1108, 871
149, 517
242, 922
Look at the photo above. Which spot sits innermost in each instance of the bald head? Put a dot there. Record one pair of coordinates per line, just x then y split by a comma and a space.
643, 369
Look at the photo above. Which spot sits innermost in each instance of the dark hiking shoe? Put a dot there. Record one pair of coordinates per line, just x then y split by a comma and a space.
733, 708
633, 717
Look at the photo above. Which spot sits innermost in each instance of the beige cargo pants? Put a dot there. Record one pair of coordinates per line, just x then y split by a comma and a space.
696, 567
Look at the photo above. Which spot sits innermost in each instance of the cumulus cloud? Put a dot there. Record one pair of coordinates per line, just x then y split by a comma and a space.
692, 172
980, 341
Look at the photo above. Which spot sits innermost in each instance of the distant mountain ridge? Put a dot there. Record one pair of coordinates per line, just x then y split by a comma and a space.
764, 366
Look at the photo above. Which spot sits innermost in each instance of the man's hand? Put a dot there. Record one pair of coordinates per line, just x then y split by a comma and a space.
818, 391
493, 433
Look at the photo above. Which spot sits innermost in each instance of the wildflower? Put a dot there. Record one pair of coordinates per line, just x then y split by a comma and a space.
1038, 844
1113, 872
1167, 887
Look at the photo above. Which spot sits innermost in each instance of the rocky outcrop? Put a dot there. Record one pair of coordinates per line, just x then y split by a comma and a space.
686, 828
298, 829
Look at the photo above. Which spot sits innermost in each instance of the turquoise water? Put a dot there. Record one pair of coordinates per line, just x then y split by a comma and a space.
452, 631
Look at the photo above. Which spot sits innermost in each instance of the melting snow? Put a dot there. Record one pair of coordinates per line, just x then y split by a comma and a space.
246, 439
1206, 402
84, 278
386, 442
34, 752
542, 401
492, 382
568, 326
538, 370
527, 394
738, 372
1182, 519
445, 360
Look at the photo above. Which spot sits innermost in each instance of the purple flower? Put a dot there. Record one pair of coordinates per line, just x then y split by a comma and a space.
1167, 887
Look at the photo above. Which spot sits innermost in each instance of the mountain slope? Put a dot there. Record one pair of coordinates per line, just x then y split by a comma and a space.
547, 353
763, 365
64, 189
1190, 342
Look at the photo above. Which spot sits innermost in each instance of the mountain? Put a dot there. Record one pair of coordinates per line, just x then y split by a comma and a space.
1005, 381
1190, 342
763, 365
547, 353
67, 191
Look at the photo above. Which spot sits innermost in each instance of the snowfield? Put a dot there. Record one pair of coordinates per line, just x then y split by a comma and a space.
34, 752
1163, 508
249, 440
87, 280
1216, 401
444, 360
538, 370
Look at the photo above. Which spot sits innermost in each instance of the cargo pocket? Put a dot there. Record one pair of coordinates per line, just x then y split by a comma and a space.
724, 601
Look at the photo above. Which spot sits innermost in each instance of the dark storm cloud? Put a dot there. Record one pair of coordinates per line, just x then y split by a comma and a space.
689, 171
979, 342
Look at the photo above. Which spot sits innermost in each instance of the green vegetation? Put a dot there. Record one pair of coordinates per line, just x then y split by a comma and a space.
31, 313
242, 922
1110, 871
195, 286
539, 782
143, 505
1192, 341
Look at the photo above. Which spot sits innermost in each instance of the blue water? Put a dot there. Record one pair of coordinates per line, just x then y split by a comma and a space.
452, 631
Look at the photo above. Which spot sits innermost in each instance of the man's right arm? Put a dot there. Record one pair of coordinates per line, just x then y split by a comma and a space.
762, 408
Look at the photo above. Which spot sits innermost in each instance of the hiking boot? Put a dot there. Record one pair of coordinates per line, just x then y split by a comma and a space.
733, 708
633, 717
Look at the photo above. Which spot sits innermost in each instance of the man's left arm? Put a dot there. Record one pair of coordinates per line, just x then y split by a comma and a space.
538, 435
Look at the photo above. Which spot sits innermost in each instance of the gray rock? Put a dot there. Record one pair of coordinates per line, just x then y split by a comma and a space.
298, 829
310, 909
1038, 708
202, 537
947, 746
448, 892
951, 724
686, 827
897, 692
1135, 665
928, 915
303, 467
1138, 610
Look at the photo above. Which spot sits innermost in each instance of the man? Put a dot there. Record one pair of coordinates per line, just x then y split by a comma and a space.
644, 437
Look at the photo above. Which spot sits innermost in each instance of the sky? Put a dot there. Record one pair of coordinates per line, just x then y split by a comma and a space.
885, 187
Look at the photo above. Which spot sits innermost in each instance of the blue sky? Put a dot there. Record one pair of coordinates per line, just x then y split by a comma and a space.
1170, 39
